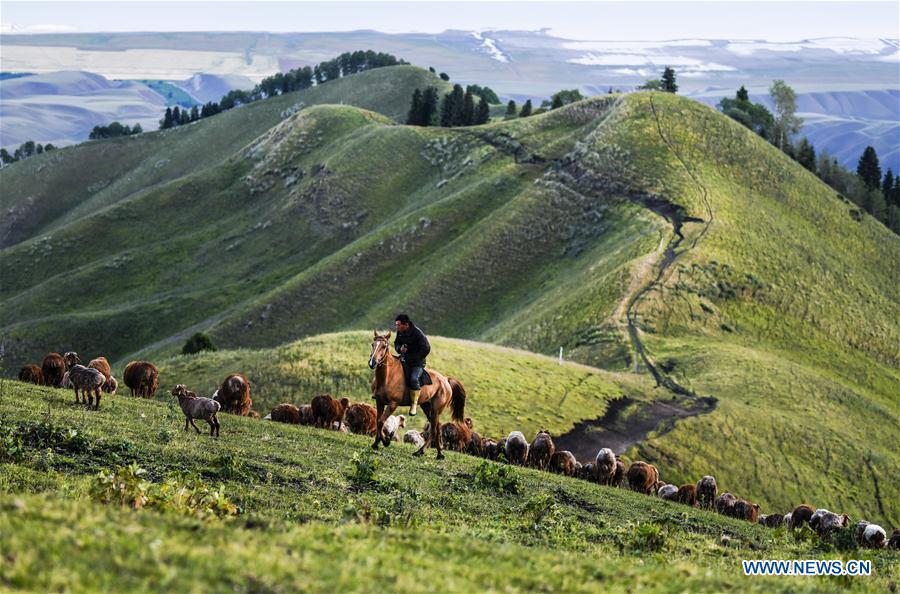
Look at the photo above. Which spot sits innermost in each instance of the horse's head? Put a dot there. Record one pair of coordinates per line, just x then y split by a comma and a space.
381, 348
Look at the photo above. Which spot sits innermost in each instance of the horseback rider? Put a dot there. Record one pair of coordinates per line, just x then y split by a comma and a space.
412, 345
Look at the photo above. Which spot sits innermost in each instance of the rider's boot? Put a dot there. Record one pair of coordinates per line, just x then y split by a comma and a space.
414, 400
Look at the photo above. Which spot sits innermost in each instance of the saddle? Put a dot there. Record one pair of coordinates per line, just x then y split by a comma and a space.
425, 379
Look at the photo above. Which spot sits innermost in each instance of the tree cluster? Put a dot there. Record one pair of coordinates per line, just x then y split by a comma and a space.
752, 115
114, 130
286, 82
27, 149
457, 108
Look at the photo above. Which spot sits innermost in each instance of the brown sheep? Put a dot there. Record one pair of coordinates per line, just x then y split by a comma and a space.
563, 462
361, 418
619, 476
802, 514
687, 494
604, 466
457, 435
52, 369
541, 450
587, 472
745, 510
328, 411
725, 504
285, 413
642, 476
234, 395
474, 448
490, 449
102, 365
707, 489
142, 378
31, 374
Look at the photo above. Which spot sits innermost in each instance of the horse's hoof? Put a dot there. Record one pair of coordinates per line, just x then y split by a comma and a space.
440, 456
418, 453
375, 446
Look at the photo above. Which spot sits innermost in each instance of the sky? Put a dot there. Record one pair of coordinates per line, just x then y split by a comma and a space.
773, 21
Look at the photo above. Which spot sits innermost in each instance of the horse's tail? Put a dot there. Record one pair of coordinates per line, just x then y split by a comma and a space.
458, 399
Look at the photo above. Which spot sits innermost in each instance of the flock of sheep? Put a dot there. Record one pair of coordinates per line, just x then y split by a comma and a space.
233, 396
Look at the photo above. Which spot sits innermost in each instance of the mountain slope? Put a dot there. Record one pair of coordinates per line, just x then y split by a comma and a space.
317, 514
642, 233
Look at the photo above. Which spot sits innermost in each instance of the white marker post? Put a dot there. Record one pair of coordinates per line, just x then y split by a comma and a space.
560, 356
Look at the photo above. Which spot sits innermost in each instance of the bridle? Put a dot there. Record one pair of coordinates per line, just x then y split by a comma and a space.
372, 362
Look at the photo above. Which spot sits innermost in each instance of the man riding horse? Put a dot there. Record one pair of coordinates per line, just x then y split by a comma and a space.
413, 346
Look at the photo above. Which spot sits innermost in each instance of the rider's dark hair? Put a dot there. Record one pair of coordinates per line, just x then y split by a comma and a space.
403, 319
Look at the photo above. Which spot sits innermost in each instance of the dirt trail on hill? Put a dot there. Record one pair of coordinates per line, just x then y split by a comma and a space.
627, 421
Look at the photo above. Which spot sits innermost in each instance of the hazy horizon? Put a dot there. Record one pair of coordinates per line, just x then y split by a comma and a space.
572, 20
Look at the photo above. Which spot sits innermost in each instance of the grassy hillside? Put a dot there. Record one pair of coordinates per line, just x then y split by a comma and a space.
312, 519
780, 300
507, 389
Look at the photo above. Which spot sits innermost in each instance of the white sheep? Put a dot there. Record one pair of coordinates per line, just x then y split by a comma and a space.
516, 448
414, 437
605, 466
393, 424
667, 492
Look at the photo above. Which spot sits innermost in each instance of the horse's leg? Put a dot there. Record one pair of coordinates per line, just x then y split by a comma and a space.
436, 424
388, 411
379, 424
426, 406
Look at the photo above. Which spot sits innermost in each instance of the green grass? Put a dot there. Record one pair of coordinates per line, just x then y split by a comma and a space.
507, 389
311, 521
529, 233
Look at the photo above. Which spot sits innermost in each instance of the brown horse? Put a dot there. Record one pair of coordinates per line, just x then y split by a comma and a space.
390, 391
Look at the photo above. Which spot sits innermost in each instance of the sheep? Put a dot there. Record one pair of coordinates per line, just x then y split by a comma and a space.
414, 437
327, 411
197, 407
285, 413
786, 520
605, 466
516, 448
490, 449
361, 418
391, 426
724, 504
541, 450
642, 476
89, 381
816, 517
619, 476
71, 359
234, 395
457, 435
707, 489
577, 468
31, 374
687, 494
142, 378
111, 385
65, 383
773, 521
894, 542
762, 519
101, 365
829, 522
587, 472
474, 447
801, 515
563, 462
746, 510
667, 492
52, 369
873, 536
306, 415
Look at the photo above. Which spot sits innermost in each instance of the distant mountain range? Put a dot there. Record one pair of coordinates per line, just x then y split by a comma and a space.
519, 65
62, 107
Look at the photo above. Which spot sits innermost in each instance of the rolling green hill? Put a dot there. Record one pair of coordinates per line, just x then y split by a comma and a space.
775, 297
316, 516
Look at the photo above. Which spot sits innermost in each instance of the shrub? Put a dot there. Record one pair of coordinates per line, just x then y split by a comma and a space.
364, 466
182, 494
647, 536
196, 343
496, 477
